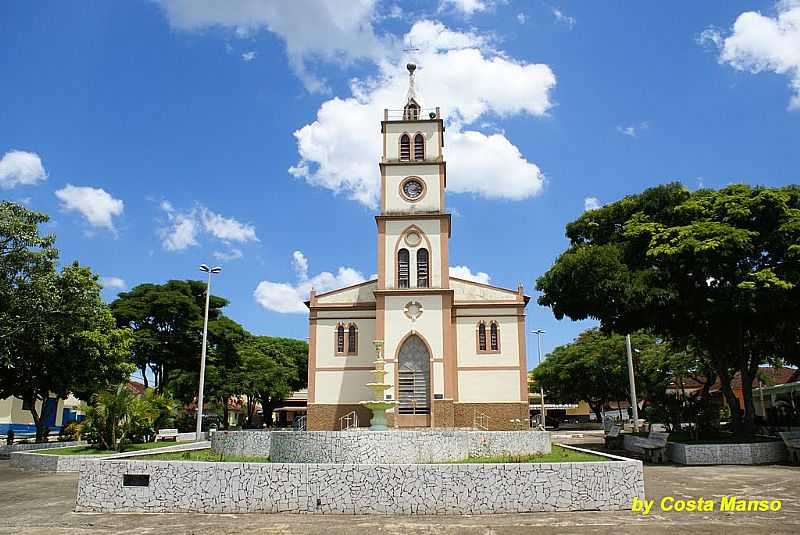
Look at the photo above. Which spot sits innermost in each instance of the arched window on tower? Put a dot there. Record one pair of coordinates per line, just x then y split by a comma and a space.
405, 148
403, 275
494, 337
340, 338
423, 279
352, 339
419, 147
481, 336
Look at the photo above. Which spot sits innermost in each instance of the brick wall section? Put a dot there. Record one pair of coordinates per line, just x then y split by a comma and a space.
500, 415
326, 417
446, 413
443, 415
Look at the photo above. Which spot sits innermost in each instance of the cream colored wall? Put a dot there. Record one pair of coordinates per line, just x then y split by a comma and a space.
5, 410
358, 294
394, 232
466, 291
488, 386
430, 202
326, 343
337, 386
466, 335
11, 411
428, 129
428, 326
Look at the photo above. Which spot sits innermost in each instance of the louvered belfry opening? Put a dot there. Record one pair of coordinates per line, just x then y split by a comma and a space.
419, 147
422, 268
402, 269
414, 377
405, 148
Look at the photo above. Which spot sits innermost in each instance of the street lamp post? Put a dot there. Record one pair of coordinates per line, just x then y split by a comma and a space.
539, 333
210, 271
632, 382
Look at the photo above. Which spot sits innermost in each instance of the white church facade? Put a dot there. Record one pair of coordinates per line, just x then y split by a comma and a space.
454, 349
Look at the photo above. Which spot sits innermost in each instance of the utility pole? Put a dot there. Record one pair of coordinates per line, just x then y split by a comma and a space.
632, 381
199, 429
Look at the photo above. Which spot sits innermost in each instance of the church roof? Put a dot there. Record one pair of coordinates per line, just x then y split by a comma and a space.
463, 291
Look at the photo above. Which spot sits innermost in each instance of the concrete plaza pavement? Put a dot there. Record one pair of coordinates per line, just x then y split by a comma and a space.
34, 504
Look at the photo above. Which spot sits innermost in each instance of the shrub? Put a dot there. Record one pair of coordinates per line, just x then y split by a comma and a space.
70, 432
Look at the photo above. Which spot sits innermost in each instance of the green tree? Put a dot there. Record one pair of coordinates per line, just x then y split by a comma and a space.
117, 416
715, 269
271, 368
222, 378
57, 336
592, 368
167, 323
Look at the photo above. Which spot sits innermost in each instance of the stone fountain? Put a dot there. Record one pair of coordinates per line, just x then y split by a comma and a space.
378, 404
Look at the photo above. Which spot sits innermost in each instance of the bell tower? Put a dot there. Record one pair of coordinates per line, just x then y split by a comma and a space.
413, 227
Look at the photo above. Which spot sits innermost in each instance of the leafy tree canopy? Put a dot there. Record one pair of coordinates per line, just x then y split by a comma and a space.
717, 269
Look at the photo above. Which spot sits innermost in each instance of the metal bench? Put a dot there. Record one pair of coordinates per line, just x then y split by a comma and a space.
167, 434
613, 438
792, 441
654, 447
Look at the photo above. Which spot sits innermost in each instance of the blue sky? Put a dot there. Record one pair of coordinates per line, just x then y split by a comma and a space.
158, 134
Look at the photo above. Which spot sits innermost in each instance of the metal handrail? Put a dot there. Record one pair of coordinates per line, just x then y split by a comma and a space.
480, 421
299, 423
348, 421
424, 114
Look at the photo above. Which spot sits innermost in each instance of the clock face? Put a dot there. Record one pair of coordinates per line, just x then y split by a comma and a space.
412, 188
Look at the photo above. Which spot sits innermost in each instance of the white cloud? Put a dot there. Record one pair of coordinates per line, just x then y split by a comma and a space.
113, 283
464, 272
249, 56
562, 18
758, 43
467, 7
633, 130
228, 256
289, 298
325, 29
183, 229
95, 204
226, 228
21, 168
395, 12
522, 18
458, 72
591, 203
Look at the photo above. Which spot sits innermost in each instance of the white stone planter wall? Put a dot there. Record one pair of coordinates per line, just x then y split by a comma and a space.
7, 450
368, 447
698, 454
41, 462
359, 489
247, 443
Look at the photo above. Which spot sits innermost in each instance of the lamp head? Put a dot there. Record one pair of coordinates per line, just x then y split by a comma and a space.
204, 267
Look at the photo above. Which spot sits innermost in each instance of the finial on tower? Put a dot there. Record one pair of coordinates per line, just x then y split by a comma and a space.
412, 107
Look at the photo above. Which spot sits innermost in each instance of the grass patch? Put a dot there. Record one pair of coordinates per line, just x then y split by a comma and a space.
557, 455
205, 455
92, 450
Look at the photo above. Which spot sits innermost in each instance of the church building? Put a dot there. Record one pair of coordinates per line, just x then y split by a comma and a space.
454, 349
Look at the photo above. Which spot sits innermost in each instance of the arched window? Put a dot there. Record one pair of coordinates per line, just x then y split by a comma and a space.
340, 338
481, 336
402, 269
352, 338
422, 268
405, 148
419, 147
494, 337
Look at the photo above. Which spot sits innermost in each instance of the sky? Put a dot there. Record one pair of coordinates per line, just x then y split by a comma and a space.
159, 135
